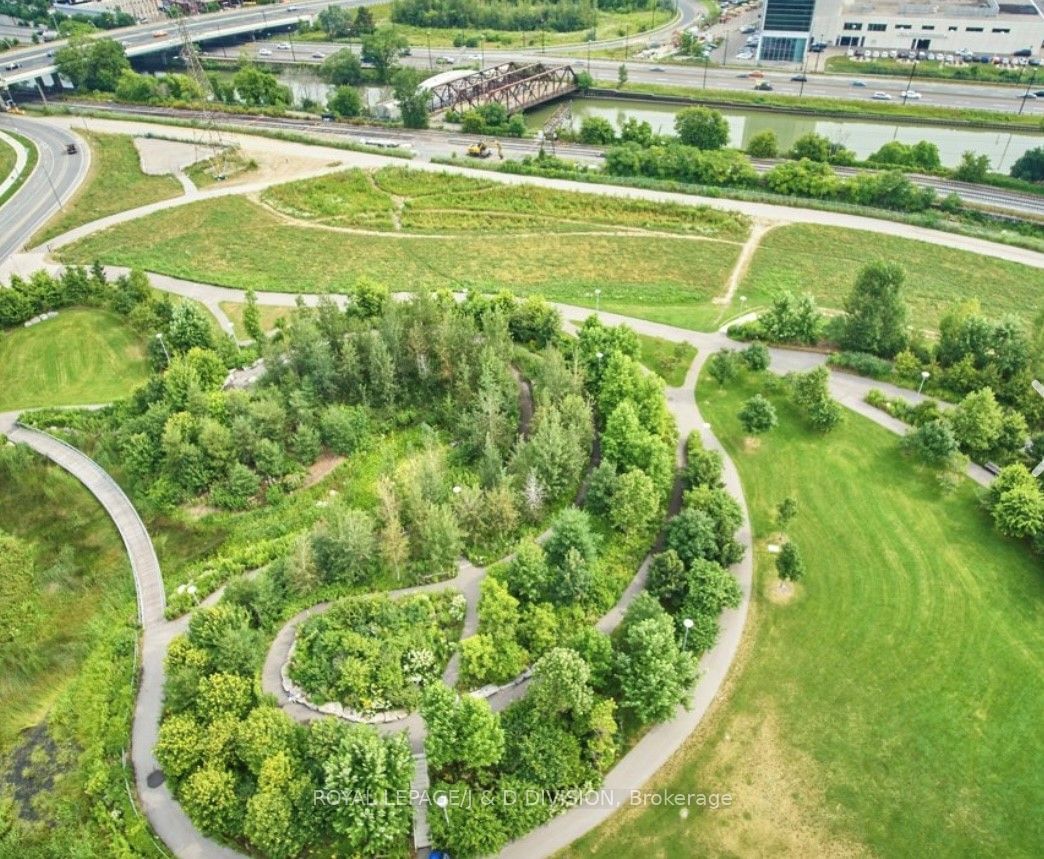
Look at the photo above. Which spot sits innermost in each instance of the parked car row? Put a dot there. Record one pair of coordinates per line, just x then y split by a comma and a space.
1019, 58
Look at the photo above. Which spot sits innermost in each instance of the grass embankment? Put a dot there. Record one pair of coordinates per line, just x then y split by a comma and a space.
82, 356
114, 183
968, 72
825, 260
653, 261
610, 25
7, 159
862, 109
269, 316
891, 705
668, 359
5, 170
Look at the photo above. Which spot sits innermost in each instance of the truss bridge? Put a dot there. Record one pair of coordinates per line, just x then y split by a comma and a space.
516, 86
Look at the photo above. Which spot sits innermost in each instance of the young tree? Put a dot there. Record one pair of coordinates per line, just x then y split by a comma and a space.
412, 98
345, 101
635, 502
561, 684
875, 318
723, 366
342, 68
527, 573
252, 318
463, 735
381, 49
668, 579
758, 415
977, 422
621, 76
335, 21
364, 21
932, 442
1030, 165
792, 319
344, 547
1019, 512
786, 510
789, 565
973, 168
596, 130
764, 144
701, 127
570, 530
756, 357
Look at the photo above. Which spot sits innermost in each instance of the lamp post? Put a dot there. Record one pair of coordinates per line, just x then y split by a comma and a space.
442, 801
598, 296
909, 83
1025, 97
164, 346
924, 378
688, 624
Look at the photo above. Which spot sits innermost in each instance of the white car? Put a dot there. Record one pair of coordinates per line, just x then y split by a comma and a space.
881, 96
745, 55
264, 52
283, 46
910, 93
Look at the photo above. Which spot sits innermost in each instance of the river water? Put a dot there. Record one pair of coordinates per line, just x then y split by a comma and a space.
862, 137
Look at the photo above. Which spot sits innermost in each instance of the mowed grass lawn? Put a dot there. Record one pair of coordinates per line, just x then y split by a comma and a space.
7, 159
826, 260
891, 706
268, 314
668, 359
234, 242
80, 357
114, 183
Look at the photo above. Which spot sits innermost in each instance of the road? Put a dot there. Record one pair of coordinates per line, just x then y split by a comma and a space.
56, 177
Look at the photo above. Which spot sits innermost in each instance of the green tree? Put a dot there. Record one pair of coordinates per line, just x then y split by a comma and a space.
756, 356
259, 88
723, 366
932, 442
266, 732
93, 64
653, 674
209, 797
252, 318
875, 312
188, 327
764, 144
635, 502
789, 564
621, 76
792, 319
596, 130
344, 547
527, 573
758, 415
345, 101
1019, 512
1030, 165
786, 510
668, 579
571, 530
335, 21
463, 733
561, 684
412, 98
812, 146
343, 428
701, 127
364, 21
973, 168
342, 68
977, 422
381, 50
179, 748
277, 813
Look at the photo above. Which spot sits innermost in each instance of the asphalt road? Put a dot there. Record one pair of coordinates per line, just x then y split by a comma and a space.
55, 177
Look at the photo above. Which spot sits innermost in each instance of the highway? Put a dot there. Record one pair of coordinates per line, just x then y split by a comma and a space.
143, 39
56, 177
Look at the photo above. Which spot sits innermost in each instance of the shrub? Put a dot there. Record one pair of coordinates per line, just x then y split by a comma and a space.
763, 145
758, 415
756, 357
862, 363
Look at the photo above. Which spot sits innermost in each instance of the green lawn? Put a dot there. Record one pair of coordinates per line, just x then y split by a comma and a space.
234, 242
825, 261
668, 359
269, 316
115, 183
82, 356
7, 159
891, 706
30, 164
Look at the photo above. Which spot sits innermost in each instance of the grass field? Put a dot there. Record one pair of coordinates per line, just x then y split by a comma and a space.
30, 163
115, 183
235, 242
668, 359
890, 706
82, 356
825, 261
7, 159
83, 576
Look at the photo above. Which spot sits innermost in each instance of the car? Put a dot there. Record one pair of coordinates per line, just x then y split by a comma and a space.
328, 117
471, 58
817, 49
910, 93
1023, 52
1031, 96
859, 83
264, 52
283, 46
10, 67
49, 54
657, 69
292, 8
1033, 61
748, 28
800, 79
745, 55
318, 56
444, 61
1039, 93
159, 34
881, 96
765, 86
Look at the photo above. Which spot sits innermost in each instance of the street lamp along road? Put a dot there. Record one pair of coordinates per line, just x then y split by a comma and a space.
924, 378
688, 624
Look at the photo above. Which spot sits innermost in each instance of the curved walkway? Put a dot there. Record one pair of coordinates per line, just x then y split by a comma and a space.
21, 159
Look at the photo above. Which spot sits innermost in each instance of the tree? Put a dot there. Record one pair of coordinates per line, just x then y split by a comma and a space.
875, 313
701, 127
653, 674
756, 357
977, 422
635, 502
188, 327
723, 366
1030, 165
179, 748
209, 797
764, 144
345, 101
789, 564
792, 319
342, 68
381, 49
932, 442
561, 684
335, 21
92, 64
621, 76
364, 21
463, 732
259, 88
811, 394
344, 547
412, 98
786, 510
252, 318
343, 428
668, 579
691, 534
596, 131
973, 168
527, 573
571, 530
812, 146
1019, 512
758, 415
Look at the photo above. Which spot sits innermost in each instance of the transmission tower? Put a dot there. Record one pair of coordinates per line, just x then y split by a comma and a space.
211, 136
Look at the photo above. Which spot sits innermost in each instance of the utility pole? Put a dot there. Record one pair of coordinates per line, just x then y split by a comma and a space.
1025, 97
909, 83
706, 65
431, 65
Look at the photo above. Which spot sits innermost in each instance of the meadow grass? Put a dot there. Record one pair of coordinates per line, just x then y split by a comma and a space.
82, 356
269, 316
7, 159
234, 242
890, 704
114, 183
668, 359
30, 164
826, 260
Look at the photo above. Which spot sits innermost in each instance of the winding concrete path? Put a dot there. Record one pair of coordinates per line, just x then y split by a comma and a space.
21, 159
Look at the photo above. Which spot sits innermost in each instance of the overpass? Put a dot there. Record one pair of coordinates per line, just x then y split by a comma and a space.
38, 61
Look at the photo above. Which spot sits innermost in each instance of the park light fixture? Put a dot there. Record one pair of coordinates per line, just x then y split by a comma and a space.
688, 624
598, 296
924, 378
442, 801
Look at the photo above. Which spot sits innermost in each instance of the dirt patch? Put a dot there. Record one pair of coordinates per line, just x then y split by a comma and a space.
273, 165
199, 511
779, 592
163, 157
31, 770
321, 468
751, 444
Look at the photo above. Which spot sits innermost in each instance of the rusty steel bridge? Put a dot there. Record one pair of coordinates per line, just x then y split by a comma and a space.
516, 86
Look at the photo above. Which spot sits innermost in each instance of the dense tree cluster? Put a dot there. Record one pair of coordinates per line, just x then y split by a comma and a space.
559, 15
811, 393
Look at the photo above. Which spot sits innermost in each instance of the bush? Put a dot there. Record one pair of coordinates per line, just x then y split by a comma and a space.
756, 357
763, 145
862, 363
757, 415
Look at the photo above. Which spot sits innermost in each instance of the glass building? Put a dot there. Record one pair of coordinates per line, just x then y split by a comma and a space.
785, 28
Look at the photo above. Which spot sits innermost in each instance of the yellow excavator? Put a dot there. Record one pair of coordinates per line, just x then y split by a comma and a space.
483, 150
